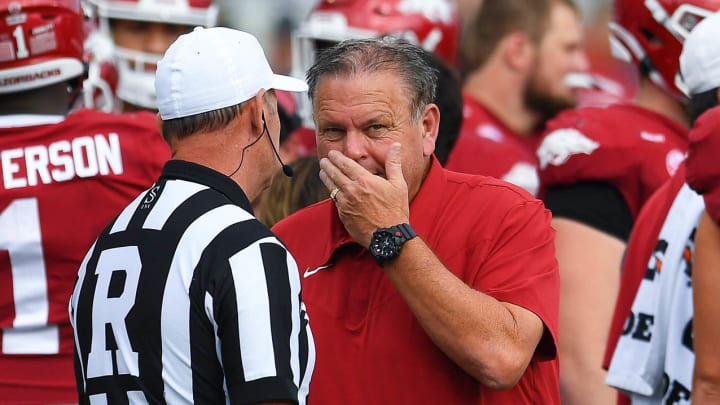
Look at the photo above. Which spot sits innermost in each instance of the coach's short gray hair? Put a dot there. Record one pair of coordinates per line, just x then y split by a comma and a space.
355, 56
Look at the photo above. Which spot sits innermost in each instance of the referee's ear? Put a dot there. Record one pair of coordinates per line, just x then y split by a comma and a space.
256, 111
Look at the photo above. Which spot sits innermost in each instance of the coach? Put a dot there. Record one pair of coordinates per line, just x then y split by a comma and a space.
427, 286
185, 297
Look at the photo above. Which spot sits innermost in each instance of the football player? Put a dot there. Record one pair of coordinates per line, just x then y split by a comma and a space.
517, 55
141, 31
670, 257
703, 175
64, 176
598, 166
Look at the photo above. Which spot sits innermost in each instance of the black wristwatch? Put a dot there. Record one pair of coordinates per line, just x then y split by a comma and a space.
386, 243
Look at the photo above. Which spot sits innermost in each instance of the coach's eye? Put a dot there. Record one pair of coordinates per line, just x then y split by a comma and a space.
375, 129
332, 133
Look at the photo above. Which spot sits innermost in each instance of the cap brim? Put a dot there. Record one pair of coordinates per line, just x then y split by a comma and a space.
288, 83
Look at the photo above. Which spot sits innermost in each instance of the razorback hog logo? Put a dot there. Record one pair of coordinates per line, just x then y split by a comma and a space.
559, 145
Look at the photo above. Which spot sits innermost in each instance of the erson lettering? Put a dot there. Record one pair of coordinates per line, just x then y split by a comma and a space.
85, 156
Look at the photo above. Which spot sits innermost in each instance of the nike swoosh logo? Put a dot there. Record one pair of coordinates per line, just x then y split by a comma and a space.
309, 272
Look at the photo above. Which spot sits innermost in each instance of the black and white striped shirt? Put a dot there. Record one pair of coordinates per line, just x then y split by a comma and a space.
186, 298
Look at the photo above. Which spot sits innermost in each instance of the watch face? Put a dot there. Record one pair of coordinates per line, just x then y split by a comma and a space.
384, 245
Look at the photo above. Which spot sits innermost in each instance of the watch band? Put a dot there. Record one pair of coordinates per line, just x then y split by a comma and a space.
406, 231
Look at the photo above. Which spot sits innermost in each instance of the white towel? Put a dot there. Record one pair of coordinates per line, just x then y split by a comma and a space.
661, 367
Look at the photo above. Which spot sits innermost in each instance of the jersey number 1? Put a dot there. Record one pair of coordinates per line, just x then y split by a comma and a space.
20, 236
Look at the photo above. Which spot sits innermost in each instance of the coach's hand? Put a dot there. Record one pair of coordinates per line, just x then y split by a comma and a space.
366, 202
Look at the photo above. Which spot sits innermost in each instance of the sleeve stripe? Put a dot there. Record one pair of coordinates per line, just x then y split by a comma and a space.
281, 303
297, 354
307, 357
254, 318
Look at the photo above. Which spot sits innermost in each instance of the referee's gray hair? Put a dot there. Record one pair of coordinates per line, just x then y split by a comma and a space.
356, 56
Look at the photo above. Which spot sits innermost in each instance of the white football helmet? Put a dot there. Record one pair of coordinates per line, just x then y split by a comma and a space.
137, 83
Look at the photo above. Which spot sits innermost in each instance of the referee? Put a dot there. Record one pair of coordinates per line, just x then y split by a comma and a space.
185, 297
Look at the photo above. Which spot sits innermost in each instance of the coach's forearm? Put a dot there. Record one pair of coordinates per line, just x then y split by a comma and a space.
491, 340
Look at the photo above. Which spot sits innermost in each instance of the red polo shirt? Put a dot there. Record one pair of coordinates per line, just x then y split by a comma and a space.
370, 348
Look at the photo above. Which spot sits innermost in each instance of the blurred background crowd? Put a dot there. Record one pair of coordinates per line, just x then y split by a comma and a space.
534, 93
272, 22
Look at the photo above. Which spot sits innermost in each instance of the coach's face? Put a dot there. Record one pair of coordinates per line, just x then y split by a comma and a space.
362, 115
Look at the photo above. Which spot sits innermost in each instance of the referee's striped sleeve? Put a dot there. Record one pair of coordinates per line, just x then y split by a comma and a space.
272, 330
254, 316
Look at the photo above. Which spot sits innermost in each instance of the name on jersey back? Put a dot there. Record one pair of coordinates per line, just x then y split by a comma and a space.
63, 160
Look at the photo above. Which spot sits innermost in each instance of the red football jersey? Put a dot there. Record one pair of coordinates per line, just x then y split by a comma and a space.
61, 184
631, 148
486, 146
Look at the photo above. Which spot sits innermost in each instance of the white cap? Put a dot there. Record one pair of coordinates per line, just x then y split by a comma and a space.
212, 68
700, 57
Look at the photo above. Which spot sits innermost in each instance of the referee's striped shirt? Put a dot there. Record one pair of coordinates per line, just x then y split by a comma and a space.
186, 298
